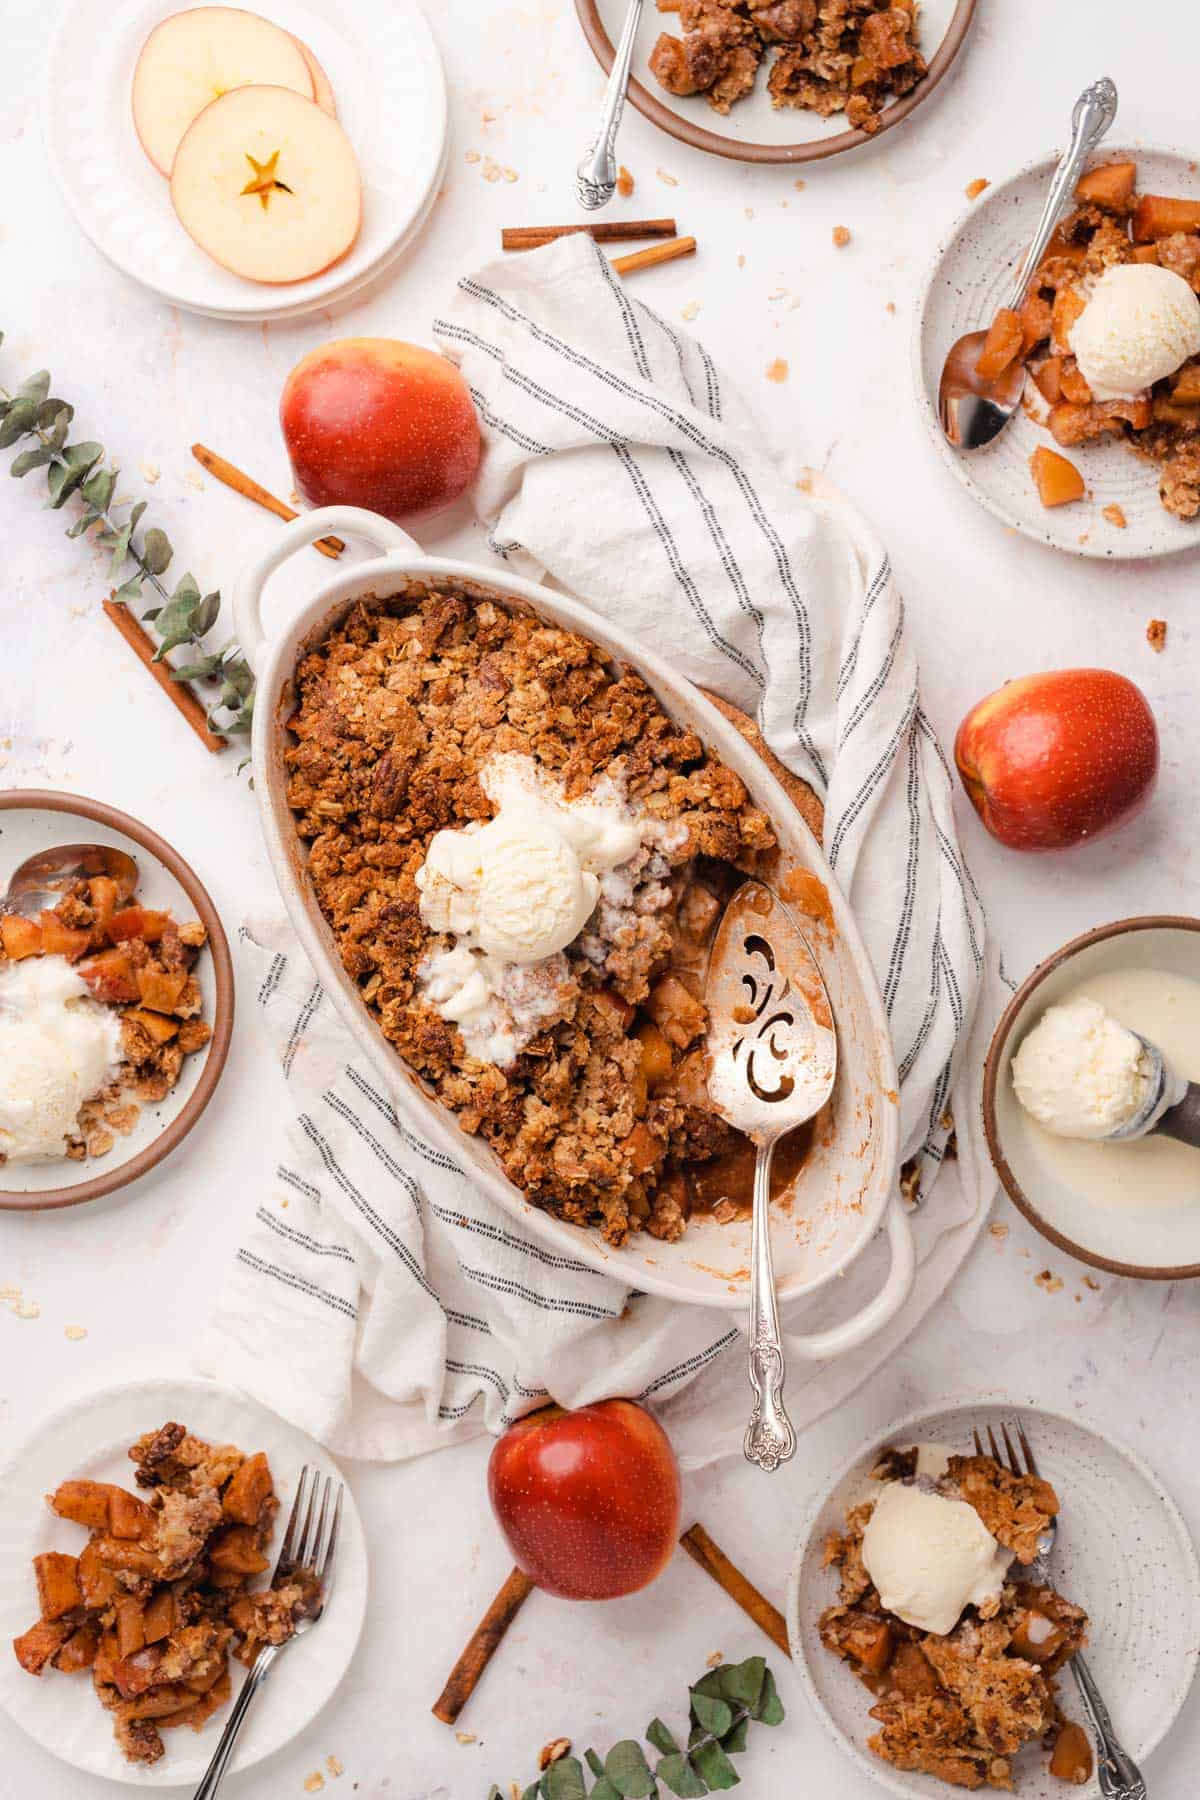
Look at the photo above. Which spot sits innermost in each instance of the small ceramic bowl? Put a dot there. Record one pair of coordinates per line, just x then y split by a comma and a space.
754, 131
31, 820
1123, 1554
1149, 1242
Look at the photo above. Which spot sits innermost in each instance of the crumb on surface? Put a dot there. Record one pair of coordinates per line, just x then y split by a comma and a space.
1115, 516
690, 311
890, 306
999, 1232
314, 1783
974, 188
1089, 1283
150, 472
665, 176
1156, 634
799, 186
777, 370
841, 237
473, 156
1048, 1282
26, 1309
625, 182
465, 1737
335, 1766
715, 1660
76, 1333
741, 262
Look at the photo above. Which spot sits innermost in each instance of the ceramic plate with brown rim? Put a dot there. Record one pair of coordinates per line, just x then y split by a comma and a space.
1139, 1214
32, 821
753, 130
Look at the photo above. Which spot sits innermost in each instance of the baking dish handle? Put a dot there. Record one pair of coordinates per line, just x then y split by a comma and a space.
818, 1346
379, 532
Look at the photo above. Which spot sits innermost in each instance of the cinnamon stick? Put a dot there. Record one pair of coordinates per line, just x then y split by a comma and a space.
251, 490
713, 1560
653, 254
463, 1677
177, 692
606, 231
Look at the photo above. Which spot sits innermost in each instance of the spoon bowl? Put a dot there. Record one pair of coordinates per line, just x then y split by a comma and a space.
44, 878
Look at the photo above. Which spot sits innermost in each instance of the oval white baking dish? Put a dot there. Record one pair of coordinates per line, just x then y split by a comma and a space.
848, 1187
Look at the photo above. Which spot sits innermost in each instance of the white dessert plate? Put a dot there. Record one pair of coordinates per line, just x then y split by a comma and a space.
31, 821
90, 1438
754, 130
1123, 1554
968, 282
1134, 1234
390, 90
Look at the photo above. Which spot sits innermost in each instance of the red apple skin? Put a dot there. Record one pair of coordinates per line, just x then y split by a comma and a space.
378, 423
588, 1500
1058, 759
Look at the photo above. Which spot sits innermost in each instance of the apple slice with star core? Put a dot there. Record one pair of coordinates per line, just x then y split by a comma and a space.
267, 184
193, 58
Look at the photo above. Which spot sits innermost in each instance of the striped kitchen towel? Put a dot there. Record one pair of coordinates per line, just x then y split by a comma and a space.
380, 1300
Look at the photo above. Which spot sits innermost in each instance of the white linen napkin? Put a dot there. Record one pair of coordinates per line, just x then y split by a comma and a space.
380, 1299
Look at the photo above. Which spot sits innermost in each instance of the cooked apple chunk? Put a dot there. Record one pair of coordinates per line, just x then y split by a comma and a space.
1058, 481
192, 58
267, 185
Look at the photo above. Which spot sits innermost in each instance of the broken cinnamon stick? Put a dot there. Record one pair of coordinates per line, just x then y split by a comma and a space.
607, 231
251, 490
485, 1638
655, 253
713, 1560
177, 692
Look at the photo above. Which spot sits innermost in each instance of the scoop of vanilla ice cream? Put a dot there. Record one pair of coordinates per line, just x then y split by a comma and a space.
1140, 323
58, 1048
930, 1556
1081, 1073
515, 887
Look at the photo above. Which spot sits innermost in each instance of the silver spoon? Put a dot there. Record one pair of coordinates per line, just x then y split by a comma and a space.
973, 411
596, 176
1171, 1106
772, 1055
42, 880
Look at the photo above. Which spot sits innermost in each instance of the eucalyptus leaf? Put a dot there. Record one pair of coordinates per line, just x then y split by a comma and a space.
205, 617
37, 458
658, 1735
97, 490
185, 587
156, 550
71, 472
769, 1710
83, 456
83, 523
202, 670
742, 1682
55, 432
735, 1740
130, 591
533, 1791
710, 1684
174, 622
593, 1762
494, 1793
604, 1790
35, 387
50, 411
136, 512
677, 1773
18, 419
713, 1766
563, 1780
714, 1715
626, 1767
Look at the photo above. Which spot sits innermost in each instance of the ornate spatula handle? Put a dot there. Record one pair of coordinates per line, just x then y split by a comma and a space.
770, 1438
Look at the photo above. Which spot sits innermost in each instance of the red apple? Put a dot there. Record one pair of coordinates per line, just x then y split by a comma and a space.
1057, 759
588, 1500
373, 422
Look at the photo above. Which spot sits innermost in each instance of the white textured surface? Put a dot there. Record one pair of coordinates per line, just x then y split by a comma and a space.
986, 604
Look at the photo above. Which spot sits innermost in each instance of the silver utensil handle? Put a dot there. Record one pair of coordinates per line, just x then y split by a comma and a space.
1182, 1121
1094, 112
770, 1439
596, 176
1118, 1775
214, 1774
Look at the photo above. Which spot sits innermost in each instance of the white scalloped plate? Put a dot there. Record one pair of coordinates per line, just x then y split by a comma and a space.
1123, 1553
969, 280
391, 96
90, 1438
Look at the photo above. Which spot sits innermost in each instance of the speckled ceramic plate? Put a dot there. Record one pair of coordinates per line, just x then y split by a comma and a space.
31, 821
90, 1438
391, 97
968, 282
753, 130
1123, 1553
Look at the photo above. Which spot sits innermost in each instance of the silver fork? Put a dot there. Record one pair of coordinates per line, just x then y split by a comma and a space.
306, 1549
1118, 1774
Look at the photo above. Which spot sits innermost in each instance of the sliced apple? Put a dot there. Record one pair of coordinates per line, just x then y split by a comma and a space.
193, 58
268, 185
322, 86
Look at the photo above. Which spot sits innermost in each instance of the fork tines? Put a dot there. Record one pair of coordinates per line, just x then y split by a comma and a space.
1014, 1461
307, 1545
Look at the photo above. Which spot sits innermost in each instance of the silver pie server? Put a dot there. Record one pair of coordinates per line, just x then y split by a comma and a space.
972, 411
772, 1062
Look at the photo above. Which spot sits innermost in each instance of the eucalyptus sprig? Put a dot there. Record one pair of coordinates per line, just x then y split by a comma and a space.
721, 1707
183, 616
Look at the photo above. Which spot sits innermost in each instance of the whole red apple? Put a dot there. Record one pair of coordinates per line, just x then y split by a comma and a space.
1058, 759
373, 422
588, 1500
